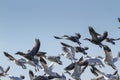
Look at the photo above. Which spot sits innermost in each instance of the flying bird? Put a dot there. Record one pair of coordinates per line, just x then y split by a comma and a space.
55, 59
103, 76
31, 53
111, 40
40, 77
109, 60
77, 48
20, 62
77, 70
71, 38
96, 38
48, 69
69, 54
91, 61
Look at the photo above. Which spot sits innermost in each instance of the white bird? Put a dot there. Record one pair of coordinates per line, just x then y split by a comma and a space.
91, 61
77, 70
20, 62
34, 63
48, 69
103, 76
69, 54
109, 60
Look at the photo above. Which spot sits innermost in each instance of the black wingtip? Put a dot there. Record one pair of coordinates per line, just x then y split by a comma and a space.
64, 44
31, 73
43, 60
5, 53
56, 37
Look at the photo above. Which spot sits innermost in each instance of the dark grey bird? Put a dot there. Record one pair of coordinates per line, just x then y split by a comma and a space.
31, 53
96, 38
71, 38
70, 67
111, 40
77, 48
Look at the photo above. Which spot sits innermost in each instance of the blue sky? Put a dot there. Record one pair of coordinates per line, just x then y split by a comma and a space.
21, 21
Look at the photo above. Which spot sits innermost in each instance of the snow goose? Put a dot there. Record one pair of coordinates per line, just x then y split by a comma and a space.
71, 38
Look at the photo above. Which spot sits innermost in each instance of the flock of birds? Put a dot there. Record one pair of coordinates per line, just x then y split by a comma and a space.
39, 60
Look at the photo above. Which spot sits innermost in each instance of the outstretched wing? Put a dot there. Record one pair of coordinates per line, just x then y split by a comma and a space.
93, 33
31, 75
9, 56
56, 37
7, 69
78, 36
104, 36
35, 49
66, 45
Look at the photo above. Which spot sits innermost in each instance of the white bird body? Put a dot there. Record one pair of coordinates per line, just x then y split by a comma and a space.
48, 69
20, 62
69, 54
77, 72
34, 63
109, 60
93, 61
